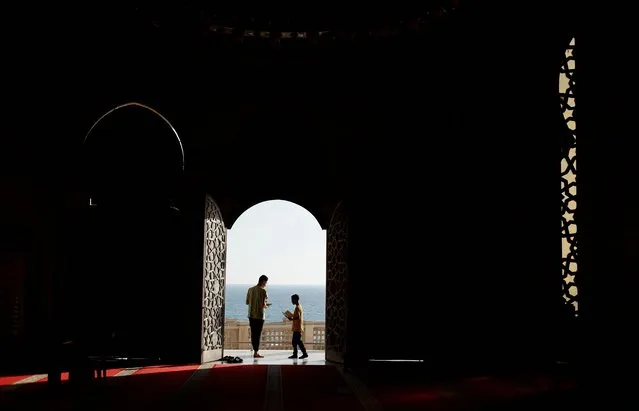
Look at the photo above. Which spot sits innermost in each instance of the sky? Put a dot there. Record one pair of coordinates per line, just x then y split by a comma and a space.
280, 239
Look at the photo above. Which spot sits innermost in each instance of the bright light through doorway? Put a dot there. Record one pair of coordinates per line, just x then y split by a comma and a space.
280, 239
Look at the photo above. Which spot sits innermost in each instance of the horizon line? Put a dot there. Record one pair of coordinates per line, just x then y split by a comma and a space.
251, 284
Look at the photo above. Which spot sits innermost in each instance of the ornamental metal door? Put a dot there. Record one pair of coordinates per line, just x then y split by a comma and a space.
214, 282
336, 285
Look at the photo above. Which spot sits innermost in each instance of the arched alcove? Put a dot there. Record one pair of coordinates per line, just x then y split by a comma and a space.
126, 239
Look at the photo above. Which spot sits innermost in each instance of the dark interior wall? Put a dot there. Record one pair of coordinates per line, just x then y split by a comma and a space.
461, 257
608, 206
136, 271
29, 260
14, 257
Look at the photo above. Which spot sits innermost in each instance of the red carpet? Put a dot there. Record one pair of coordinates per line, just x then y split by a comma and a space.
231, 387
311, 388
65, 377
513, 393
225, 387
12, 379
318, 388
149, 387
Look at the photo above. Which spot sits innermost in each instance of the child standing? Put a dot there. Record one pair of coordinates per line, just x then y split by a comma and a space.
297, 316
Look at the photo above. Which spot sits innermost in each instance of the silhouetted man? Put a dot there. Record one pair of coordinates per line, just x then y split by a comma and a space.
297, 316
256, 299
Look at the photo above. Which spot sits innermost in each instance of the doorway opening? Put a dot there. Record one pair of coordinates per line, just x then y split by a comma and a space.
285, 242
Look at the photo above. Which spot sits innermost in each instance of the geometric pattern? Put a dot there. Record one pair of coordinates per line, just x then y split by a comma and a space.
214, 282
336, 285
569, 179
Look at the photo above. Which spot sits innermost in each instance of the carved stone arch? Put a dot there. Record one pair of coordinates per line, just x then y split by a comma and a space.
337, 285
569, 178
213, 282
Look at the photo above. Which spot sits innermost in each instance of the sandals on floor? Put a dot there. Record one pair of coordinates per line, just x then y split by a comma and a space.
232, 360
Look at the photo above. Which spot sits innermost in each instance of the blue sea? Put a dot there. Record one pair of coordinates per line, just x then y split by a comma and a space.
312, 298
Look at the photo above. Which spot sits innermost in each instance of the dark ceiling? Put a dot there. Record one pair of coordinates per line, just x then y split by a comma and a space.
72, 65
292, 17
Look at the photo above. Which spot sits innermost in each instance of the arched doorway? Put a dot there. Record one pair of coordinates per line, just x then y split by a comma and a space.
284, 241
124, 236
334, 333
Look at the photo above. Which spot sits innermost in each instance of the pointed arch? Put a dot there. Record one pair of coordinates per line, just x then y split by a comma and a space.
143, 106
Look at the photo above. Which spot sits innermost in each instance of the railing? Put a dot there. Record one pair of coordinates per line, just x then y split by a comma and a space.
275, 335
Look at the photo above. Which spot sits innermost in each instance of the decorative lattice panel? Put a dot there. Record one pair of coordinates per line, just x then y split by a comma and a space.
336, 285
214, 282
569, 178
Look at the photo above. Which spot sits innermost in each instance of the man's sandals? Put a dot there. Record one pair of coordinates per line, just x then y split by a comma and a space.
232, 360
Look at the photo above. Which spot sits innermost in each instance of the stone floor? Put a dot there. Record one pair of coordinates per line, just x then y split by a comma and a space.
278, 357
